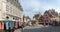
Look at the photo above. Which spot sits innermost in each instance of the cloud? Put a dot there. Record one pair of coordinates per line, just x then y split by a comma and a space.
32, 7
35, 4
50, 4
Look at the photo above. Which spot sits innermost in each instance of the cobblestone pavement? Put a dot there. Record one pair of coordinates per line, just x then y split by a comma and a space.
28, 27
32, 27
18, 30
44, 29
41, 29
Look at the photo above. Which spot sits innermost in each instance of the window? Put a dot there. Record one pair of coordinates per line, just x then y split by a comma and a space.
7, 17
47, 17
13, 18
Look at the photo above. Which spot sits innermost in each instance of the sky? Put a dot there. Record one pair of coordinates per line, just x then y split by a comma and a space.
31, 7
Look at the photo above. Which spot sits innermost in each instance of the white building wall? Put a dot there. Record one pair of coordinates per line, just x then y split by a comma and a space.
3, 9
0, 9
10, 10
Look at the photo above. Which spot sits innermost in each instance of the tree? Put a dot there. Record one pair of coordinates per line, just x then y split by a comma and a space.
36, 16
26, 18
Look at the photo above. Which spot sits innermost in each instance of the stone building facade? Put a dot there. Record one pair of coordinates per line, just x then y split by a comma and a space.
49, 17
11, 9
45, 19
